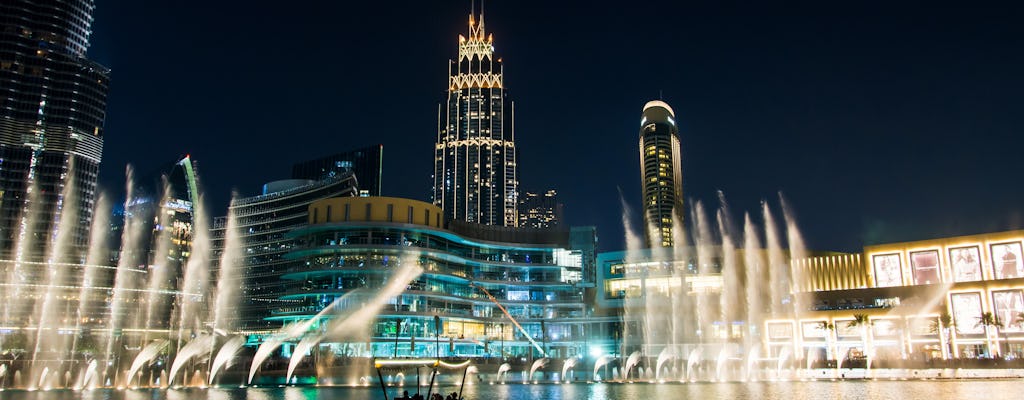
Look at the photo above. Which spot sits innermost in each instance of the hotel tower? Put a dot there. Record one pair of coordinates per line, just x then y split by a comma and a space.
662, 173
475, 156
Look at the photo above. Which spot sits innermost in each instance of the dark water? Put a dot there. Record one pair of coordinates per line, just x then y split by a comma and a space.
903, 390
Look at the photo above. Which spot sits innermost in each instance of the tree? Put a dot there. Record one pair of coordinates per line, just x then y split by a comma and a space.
942, 326
989, 320
863, 321
829, 329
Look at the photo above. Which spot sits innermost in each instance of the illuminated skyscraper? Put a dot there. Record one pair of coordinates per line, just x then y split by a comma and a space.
52, 107
662, 173
540, 210
475, 156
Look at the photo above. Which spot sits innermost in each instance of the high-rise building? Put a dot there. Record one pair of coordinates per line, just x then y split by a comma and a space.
540, 210
365, 162
263, 223
662, 173
475, 156
52, 107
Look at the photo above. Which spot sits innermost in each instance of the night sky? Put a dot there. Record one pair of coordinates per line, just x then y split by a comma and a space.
880, 121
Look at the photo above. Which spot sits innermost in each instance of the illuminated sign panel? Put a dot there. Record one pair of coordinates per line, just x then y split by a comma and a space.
967, 312
926, 266
814, 329
1006, 261
1007, 306
780, 331
887, 270
884, 327
966, 263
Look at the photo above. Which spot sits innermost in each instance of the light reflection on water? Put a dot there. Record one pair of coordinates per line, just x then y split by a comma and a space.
904, 390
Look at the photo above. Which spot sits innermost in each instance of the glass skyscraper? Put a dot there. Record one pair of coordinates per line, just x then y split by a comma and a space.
52, 107
662, 173
365, 162
475, 156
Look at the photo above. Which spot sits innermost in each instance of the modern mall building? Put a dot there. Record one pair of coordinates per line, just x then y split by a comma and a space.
948, 298
263, 223
496, 290
957, 297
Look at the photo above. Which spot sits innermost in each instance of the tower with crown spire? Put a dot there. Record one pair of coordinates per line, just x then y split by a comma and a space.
475, 155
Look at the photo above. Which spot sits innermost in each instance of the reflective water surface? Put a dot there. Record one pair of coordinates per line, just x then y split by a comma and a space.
904, 390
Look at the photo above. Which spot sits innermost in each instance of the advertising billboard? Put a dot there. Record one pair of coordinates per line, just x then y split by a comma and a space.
1008, 306
966, 263
925, 265
888, 271
967, 312
1006, 261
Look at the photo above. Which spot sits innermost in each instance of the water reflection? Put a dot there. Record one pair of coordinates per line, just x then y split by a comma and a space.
904, 390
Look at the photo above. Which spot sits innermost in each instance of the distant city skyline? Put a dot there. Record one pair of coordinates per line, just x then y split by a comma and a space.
879, 124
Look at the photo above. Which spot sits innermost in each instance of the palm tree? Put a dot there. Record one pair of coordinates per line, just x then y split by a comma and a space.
989, 320
864, 322
829, 329
942, 326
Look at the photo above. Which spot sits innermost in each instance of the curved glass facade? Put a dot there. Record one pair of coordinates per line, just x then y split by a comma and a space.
263, 224
538, 284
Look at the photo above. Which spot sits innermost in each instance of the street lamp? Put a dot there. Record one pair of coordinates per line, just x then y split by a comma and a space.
437, 352
398, 331
437, 338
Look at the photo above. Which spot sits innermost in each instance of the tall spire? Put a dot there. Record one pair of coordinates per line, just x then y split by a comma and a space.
476, 30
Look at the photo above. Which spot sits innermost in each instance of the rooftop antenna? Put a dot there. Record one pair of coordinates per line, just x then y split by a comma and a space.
660, 97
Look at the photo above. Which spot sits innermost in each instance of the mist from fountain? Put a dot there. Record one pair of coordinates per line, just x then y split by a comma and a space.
18, 275
47, 337
567, 366
289, 332
305, 345
537, 364
159, 273
731, 284
228, 275
701, 316
137, 295
692, 361
784, 355
88, 380
503, 372
353, 323
199, 345
226, 355
754, 264
723, 356
196, 275
631, 361
147, 355
753, 356
667, 354
124, 279
601, 362
94, 262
